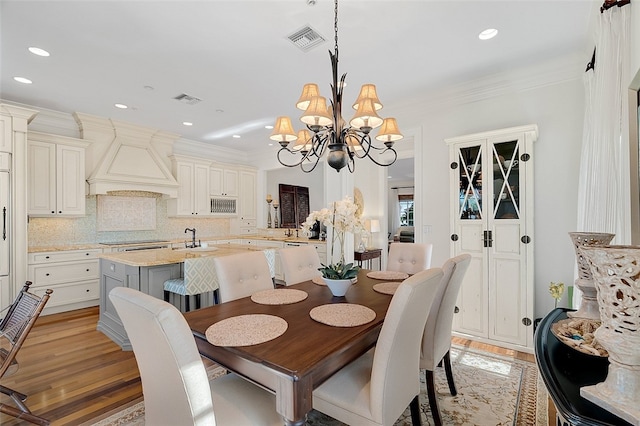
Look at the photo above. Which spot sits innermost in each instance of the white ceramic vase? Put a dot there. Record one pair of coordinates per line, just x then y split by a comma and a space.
338, 287
616, 273
589, 302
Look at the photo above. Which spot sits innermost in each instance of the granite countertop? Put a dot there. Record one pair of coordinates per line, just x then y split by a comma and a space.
87, 246
167, 256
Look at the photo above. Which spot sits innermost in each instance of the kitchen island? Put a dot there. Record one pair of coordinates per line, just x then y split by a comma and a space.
146, 271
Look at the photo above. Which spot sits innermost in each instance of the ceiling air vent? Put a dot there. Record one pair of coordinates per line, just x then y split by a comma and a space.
306, 38
187, 99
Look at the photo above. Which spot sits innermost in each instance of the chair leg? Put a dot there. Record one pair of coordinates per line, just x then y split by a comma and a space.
14, 412
197, 301
449, 373
433, 400
13, 394
415, 411
166, 296
186, 303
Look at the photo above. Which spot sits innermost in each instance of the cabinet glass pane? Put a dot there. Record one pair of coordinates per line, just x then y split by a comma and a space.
470, 178
506, 180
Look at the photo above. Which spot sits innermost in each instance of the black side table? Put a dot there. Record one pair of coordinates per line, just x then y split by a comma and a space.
564, 371
367, 256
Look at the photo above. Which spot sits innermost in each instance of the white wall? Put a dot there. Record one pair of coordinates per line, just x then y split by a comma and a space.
557, 109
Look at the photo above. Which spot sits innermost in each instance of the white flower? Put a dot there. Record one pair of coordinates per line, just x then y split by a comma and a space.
341, 216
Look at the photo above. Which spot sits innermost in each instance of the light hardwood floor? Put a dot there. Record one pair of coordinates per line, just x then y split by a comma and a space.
73, 373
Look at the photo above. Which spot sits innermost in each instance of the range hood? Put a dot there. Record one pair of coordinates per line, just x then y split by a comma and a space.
126, 157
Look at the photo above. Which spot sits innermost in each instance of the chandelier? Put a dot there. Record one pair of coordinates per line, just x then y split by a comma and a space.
326, 129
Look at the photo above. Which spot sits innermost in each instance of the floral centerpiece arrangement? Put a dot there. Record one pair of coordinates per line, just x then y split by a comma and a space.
341, 217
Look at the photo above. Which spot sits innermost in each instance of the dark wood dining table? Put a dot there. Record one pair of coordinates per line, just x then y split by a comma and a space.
308, 352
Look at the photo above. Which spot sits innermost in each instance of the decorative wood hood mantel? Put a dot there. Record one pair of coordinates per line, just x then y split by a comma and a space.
126, 157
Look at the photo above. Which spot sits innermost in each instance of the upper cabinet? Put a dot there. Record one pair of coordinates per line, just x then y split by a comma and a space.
248, 195
193, 193
223, 181
55, 175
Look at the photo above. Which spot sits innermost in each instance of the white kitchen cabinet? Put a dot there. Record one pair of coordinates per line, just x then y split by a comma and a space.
248, 195
491, 177
73, 275
55, 175
193, 193
321, 248
223, 181
6, 129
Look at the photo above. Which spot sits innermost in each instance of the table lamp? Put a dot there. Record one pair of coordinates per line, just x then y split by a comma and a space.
372, 226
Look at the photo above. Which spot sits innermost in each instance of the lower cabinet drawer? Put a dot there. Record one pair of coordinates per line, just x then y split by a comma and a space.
66, 294
63, 272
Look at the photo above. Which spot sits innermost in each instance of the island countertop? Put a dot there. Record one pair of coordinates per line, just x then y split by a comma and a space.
167, 256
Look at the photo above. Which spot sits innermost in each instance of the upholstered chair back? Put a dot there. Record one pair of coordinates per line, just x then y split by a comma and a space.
174, 381
299, 264
199, 275
241, 275
409, 257
394, 382
436, 341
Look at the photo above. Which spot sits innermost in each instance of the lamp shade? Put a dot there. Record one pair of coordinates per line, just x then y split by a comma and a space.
310, 90
389, 132
316, 113
368, 91
283, 131
372, 225
366, 116
303, 143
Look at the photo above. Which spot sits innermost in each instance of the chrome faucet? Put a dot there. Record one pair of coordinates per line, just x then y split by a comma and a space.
193, 238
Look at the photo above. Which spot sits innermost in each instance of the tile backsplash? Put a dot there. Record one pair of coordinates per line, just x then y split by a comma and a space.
65, 231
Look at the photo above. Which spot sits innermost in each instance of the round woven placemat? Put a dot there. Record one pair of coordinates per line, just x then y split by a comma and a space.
387, 275
386, 288
279, 296
342, 314
246, 330
318, 280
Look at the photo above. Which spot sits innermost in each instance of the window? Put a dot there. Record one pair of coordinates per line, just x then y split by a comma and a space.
406, 210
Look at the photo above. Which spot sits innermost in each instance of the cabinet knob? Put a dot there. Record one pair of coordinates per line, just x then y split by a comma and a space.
456, 310
454, 237
46, 275
525, 239
46, 257
60, 212
88, 269
454, 165
53, 211
87, 290
526, 322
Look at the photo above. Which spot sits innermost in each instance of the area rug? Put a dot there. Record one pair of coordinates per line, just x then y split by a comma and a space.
492, 390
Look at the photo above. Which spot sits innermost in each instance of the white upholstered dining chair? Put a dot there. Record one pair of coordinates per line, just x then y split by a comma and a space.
242, 274
299, 264
376, 388
436, 341
409, 257
175, 386
199, 276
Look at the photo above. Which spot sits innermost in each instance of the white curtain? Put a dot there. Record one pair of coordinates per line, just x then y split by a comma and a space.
603, 189
394, 211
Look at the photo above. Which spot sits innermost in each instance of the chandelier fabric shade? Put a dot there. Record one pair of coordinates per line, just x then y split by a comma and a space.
327, 131
368, 91
283, 131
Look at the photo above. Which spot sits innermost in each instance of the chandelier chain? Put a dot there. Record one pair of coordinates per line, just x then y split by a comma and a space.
335, 24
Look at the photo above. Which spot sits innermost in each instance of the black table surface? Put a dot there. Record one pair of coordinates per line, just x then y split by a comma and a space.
565, 370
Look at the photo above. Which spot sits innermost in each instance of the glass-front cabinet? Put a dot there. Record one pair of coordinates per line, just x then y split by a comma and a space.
492, 219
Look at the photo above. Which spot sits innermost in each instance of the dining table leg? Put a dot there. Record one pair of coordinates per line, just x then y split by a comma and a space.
293, 399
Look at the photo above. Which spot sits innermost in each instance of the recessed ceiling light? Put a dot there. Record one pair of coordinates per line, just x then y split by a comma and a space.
121, 106
236, 136
270, 144
487, 34
38, 51
187, 123
268, 126
22, 80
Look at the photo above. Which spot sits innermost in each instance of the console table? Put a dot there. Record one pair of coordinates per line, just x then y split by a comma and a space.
367, 256
564, 371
